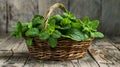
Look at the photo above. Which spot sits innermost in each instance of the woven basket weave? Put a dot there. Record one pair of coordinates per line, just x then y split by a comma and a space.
66, 49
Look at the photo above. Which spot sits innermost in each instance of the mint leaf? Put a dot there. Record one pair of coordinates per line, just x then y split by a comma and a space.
56, 34
76, 35
52, 42
76, 25
29, 42
57, 17
86, 19
24, 27
66, 36
63, 27
30, 25
50, 28
38, 19
18, 30
96, 34
99, 34
94, 24
65, 21
92, 34
69, 15
52, 22
19, 26
32, 32
18, 35
44, 35
85, 37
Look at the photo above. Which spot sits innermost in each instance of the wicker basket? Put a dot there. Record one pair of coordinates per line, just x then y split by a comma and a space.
66, 49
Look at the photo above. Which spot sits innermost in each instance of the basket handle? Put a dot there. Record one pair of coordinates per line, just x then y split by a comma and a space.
50, 10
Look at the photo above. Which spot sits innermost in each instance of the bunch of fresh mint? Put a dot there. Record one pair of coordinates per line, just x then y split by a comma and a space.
58, 26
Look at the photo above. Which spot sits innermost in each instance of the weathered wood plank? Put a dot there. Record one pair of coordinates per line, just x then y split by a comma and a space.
20, 55
4, 57
9, 43
86, 61
105, 53
3, 37
83, 8
110, 17
45, 4
7, 57
116, 41
21, 10
18, 59
22, 47
3, 16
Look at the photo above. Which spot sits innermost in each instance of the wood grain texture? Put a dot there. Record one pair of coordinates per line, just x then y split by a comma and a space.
21, 10
19, 56
9, 43
3, 16
105, 53
11, 56
116, 41
110, 19
83, 8
45, 4
3, 37
87, 61
101, 53
4, 57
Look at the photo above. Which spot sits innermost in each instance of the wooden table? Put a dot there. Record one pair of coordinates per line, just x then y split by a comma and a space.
102, 53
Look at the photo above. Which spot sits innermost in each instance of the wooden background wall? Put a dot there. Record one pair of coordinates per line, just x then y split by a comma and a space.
107, 11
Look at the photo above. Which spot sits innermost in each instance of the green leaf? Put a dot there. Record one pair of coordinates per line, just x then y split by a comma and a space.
30, 25
38, 19
56, 34
52, 22
76, 25
32, 32
68, 15
52, 42
18, 30
65, 21
39, 27
96, 34
94, 24
13, 33
24, 27
44, 35
86, 19
99, 34
85, 37
19, 26
66, 36
76, 35
18, 35
57, 17
29, 42
63, 27
50, 28
86, 29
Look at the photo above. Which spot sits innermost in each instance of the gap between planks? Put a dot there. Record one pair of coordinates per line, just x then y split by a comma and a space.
86, 61
102, 50
105, 54
115, 41
19, 56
